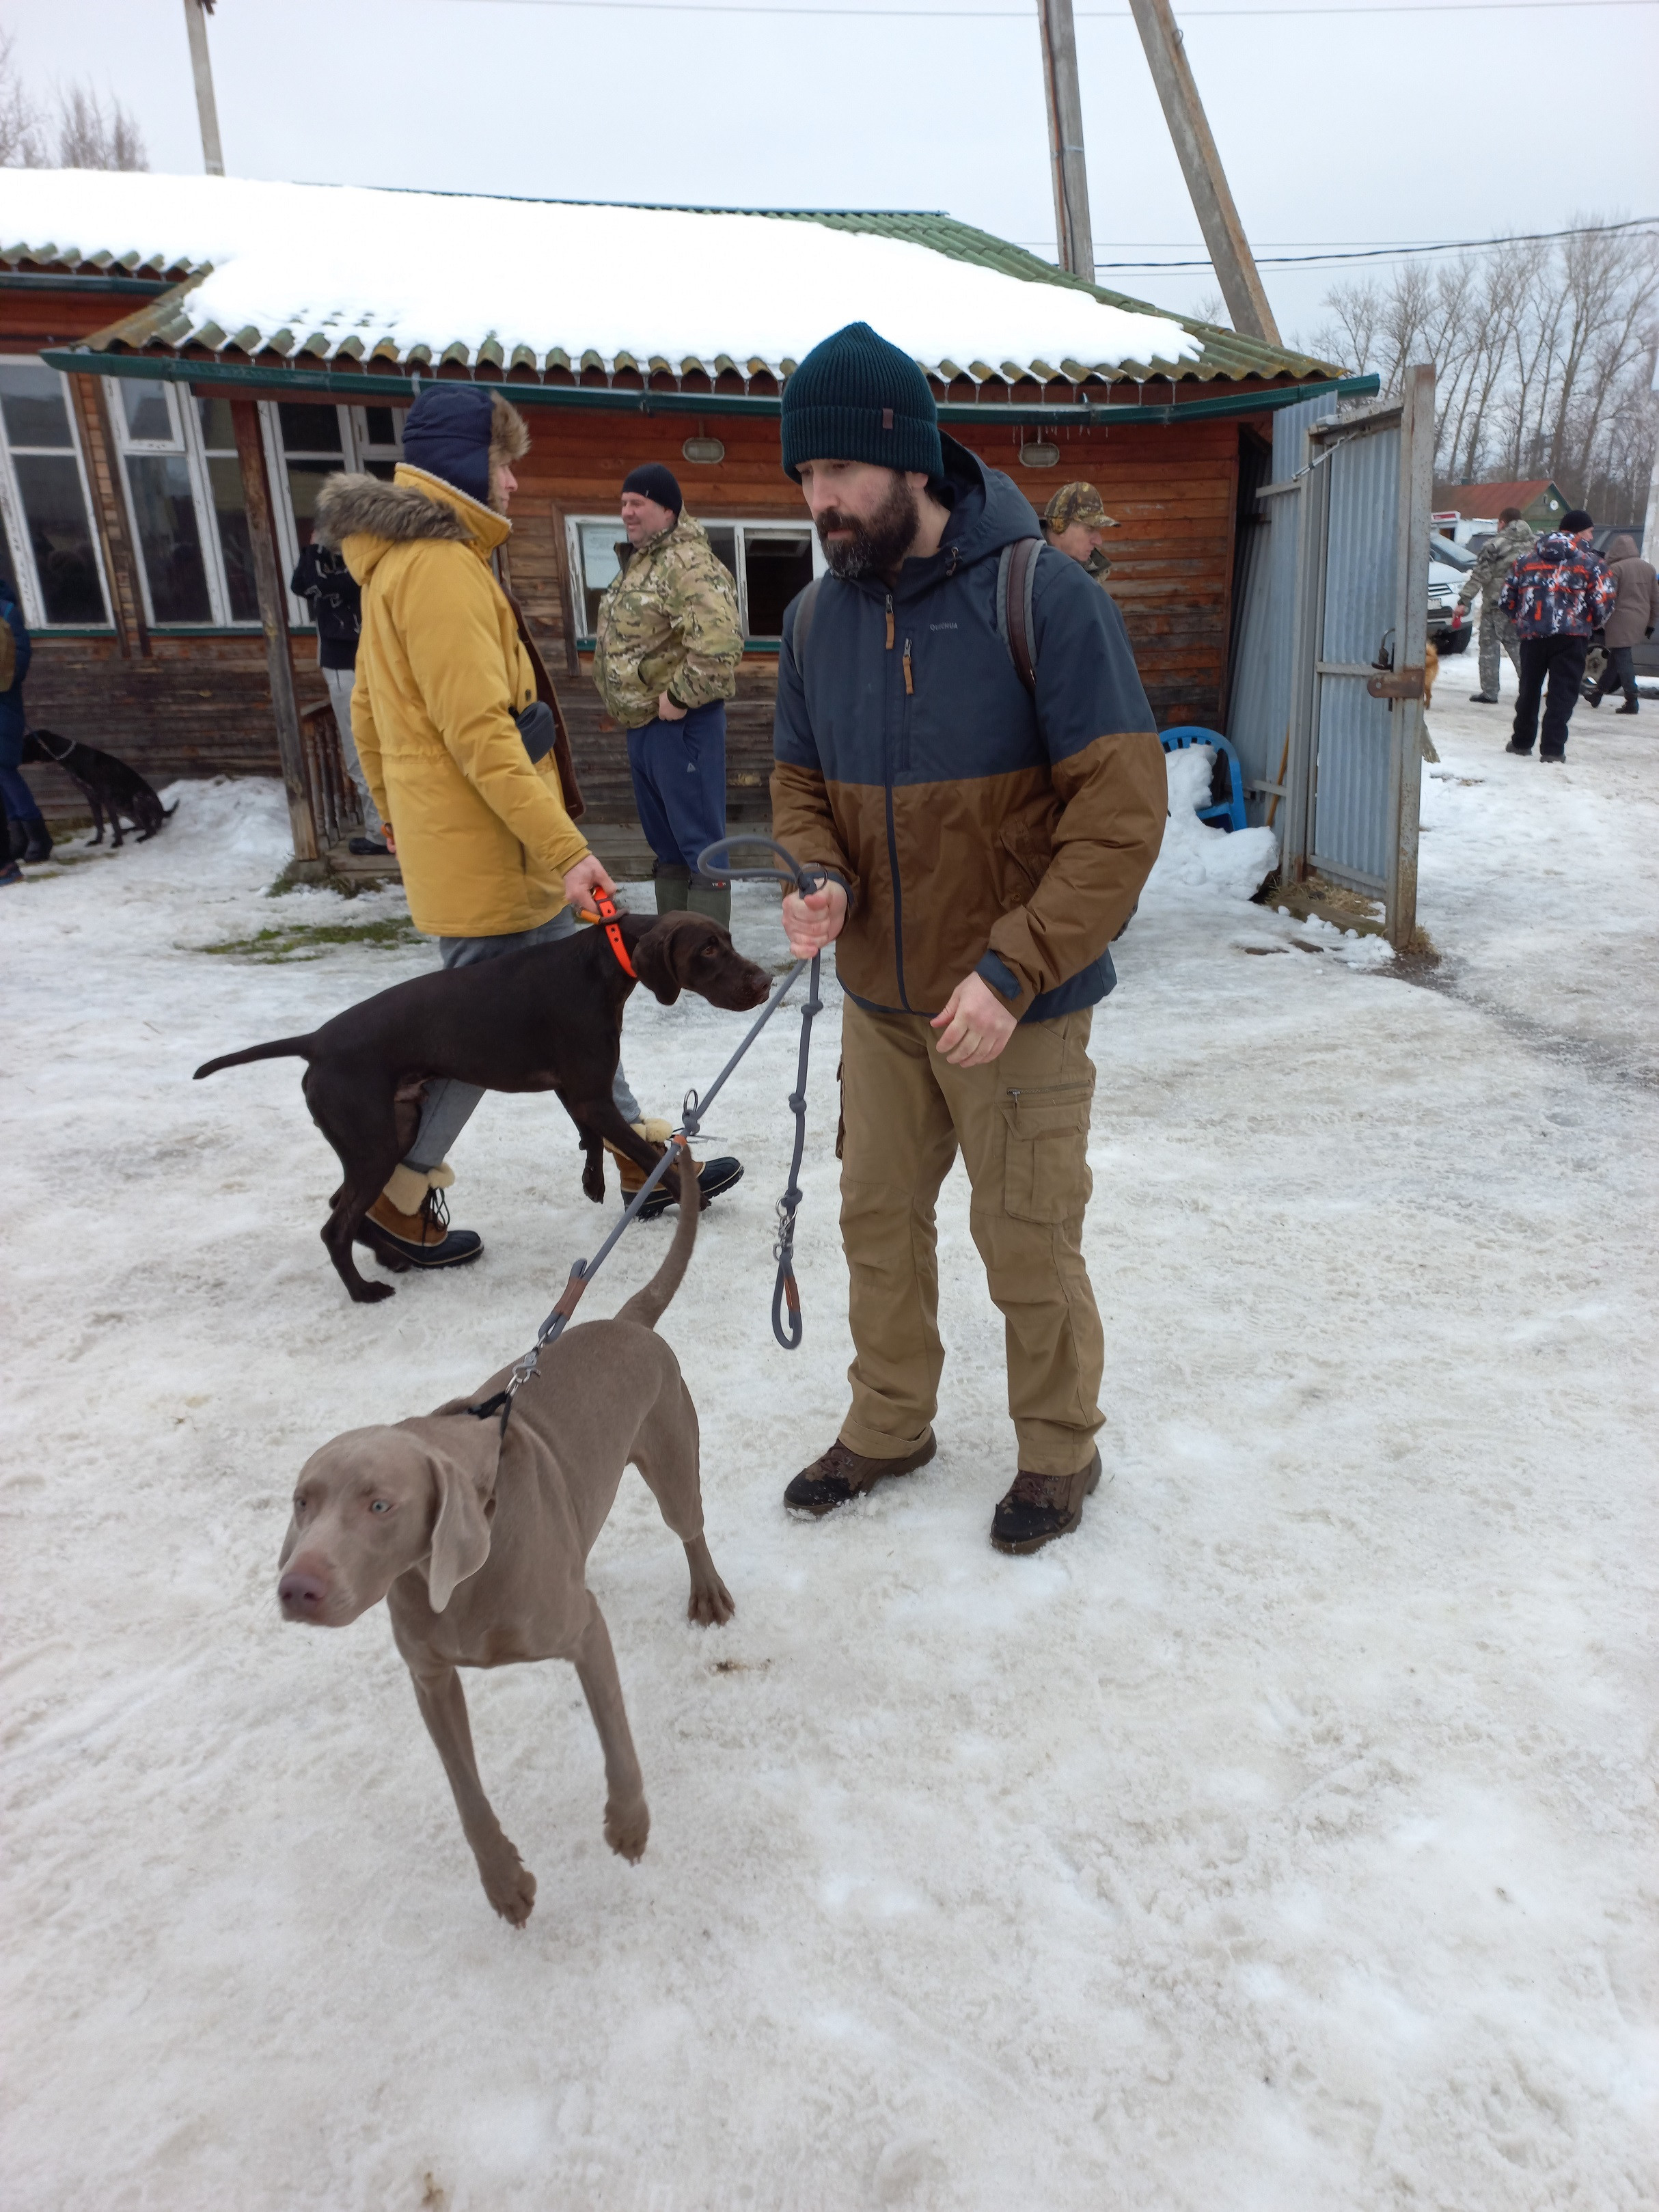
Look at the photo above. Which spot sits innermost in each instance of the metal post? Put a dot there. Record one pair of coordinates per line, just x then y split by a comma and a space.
196, 15
1411, 636
273, 614
1200, 164
1073, 231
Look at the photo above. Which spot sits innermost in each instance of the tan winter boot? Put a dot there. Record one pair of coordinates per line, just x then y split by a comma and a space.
407, 1225
714, 1176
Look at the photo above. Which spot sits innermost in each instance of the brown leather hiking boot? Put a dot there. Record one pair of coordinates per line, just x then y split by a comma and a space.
843, 1475
1039, 1507
417, 1240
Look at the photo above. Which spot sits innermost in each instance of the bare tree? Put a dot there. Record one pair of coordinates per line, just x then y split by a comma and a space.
22, 140
85, 131
1543, 356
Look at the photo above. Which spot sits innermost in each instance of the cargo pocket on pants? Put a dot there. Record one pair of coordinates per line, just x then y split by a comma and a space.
1045, 1163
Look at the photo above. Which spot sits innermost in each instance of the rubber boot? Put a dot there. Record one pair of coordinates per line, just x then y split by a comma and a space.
672, 886
38, 846
17, 837
712, 900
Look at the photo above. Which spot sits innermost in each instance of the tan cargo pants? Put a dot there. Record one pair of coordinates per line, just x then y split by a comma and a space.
1021, 1126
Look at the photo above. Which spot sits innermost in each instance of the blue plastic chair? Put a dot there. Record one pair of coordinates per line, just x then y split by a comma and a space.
1231, 812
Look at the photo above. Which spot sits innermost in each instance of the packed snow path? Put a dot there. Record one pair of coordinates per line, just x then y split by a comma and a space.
1283, 1839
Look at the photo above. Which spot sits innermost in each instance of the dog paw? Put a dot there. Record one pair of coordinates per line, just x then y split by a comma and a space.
371, 1293
511, 1888
626, 1828
710, 1604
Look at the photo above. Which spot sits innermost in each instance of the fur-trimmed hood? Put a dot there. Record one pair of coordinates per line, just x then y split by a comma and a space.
366, 518
399, 512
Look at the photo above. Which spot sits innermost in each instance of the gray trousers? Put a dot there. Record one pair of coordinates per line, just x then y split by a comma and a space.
449, 1105
341, 683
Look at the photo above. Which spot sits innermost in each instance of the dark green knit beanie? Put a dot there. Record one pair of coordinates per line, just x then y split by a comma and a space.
857, 398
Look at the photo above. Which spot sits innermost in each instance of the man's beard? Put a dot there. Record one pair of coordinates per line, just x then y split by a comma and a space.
874, 547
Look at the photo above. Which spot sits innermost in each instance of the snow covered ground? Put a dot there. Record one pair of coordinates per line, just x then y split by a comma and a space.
1284, 1840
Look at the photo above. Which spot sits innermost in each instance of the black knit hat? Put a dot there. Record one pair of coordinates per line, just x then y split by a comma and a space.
651, 481
857, 398
1575, 520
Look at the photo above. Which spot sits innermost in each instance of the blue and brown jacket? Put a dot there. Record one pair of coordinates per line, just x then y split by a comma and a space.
1560, 589
977, 829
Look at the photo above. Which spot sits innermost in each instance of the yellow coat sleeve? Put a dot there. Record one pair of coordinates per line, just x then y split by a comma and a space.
452, 634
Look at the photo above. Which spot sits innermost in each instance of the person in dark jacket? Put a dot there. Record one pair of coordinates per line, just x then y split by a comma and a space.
1635, 610
1558, 596
983, 846
322, 579
27, 837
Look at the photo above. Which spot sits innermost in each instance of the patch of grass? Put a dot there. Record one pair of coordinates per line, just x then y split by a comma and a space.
310, 940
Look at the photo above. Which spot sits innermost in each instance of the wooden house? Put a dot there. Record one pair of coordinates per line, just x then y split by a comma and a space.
183, 360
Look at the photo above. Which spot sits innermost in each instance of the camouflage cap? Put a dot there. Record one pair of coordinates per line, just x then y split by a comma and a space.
1078, 502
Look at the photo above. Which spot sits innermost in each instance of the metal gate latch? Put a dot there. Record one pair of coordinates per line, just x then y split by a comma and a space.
1396, 684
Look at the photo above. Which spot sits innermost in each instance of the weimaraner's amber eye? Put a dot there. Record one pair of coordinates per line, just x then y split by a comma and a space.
381, 1505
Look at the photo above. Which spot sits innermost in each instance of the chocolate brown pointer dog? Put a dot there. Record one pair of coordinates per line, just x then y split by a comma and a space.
546, 1018
479, 1542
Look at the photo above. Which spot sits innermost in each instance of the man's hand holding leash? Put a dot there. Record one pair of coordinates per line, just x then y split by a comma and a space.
813, 922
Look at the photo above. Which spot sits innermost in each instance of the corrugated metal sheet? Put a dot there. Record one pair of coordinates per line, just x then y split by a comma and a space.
1261, 685
1351, 729
1226, 356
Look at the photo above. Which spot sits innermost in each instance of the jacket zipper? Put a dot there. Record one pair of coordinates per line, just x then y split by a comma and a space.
892, 843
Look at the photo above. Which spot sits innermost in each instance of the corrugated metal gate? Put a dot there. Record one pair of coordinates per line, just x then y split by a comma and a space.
1327, 685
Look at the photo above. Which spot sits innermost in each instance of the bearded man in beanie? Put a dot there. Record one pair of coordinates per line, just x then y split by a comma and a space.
491, 858
985, 843
1075, 522
667, 642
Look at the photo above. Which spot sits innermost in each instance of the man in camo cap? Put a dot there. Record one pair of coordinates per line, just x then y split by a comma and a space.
1075, 521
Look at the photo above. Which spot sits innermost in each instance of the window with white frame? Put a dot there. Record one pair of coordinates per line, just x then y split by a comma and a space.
308, 444
46, 502
770, 561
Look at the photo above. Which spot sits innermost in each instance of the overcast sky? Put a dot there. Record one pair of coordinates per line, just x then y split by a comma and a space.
1391, 128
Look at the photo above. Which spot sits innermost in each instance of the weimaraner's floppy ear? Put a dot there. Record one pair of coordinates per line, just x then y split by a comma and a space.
460, 1537
654, 961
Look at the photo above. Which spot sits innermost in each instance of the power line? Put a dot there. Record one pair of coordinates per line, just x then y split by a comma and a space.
1402, 253
1081, 14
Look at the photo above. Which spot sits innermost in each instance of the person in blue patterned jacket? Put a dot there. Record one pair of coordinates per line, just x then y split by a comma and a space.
1558, 596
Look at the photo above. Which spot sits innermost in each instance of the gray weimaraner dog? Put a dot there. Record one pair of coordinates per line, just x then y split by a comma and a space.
479, 1544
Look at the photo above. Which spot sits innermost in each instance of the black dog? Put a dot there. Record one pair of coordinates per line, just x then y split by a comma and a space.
111, 787
546, 1018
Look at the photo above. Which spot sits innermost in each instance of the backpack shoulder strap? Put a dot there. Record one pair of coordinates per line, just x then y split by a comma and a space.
1016, 581
803, 630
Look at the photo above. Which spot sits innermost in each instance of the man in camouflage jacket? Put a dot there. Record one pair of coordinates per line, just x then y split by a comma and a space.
1492, 563
669, 638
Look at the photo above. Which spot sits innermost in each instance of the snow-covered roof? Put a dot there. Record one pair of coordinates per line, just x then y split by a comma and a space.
327, 270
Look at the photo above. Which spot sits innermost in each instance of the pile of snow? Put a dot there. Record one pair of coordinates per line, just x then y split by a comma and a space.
421, 268
1200, 855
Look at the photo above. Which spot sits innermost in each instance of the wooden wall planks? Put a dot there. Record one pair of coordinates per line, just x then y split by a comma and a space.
200, 705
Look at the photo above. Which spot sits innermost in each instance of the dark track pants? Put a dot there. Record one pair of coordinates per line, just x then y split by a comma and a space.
1558, 663
679, 783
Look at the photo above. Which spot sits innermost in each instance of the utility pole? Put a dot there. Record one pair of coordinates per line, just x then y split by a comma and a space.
196, 15
1217, 218
1072, 230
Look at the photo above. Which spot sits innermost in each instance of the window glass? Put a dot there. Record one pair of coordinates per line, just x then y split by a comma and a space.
224, 476
35, 409
60, 537
304, 480
164, 511
382, 426
779, 564
599, 542
148, 418
309, 429
723, 544
235, 546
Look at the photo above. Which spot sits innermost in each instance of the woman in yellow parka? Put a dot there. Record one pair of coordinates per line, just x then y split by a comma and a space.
491, 860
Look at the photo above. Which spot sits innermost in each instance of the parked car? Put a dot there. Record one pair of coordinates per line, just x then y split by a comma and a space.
1448, 623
